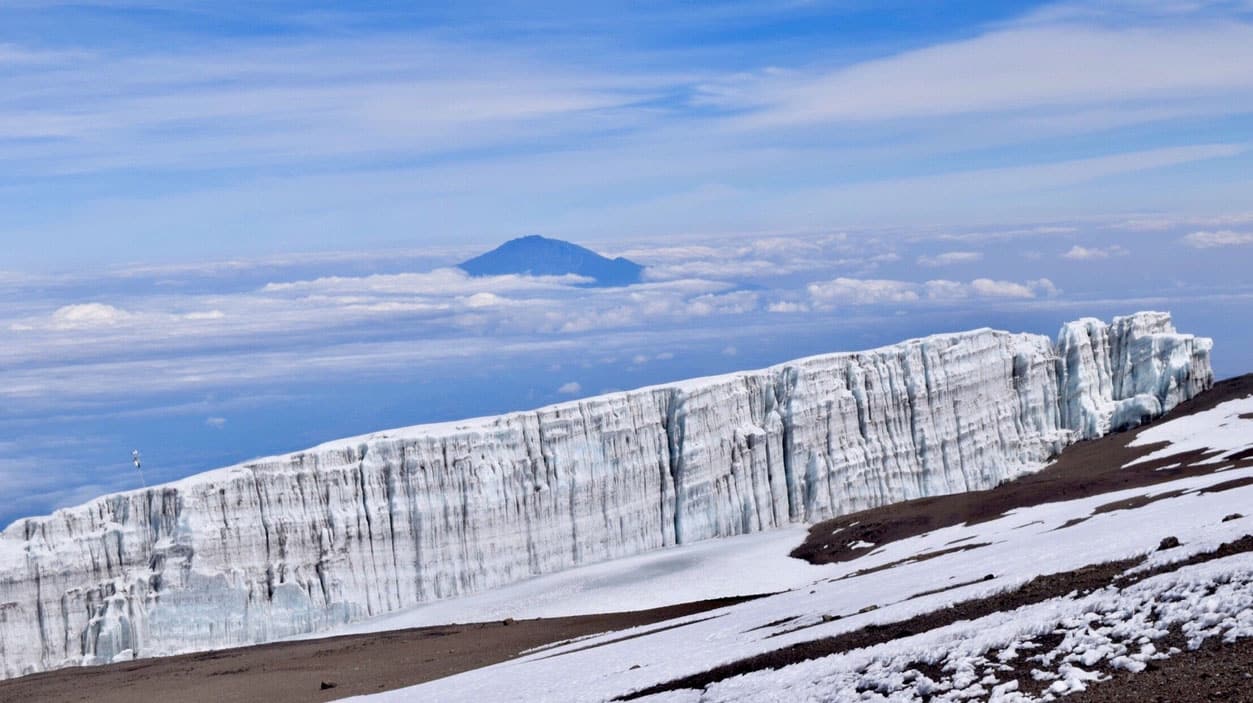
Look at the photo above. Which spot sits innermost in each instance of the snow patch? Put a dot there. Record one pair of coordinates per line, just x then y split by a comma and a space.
1220, 429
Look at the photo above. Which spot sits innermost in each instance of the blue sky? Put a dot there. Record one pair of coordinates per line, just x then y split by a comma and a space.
227, 226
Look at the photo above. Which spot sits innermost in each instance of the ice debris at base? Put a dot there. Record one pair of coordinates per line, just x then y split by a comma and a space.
355, 528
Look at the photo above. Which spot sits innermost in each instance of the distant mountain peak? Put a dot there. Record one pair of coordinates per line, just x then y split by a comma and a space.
542, 256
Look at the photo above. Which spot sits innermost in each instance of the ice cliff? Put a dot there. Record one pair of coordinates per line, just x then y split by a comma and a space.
358, 527
1120, 375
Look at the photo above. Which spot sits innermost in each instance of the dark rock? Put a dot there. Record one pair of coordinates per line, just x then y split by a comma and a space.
1168, 543
328, 685
1233, 516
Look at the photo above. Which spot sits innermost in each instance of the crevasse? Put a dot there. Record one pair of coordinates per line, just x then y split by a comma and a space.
358, 527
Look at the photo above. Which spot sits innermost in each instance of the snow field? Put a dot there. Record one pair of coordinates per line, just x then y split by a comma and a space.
1025, 543
736, 566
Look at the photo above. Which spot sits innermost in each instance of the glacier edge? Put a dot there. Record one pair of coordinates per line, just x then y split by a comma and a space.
298, 543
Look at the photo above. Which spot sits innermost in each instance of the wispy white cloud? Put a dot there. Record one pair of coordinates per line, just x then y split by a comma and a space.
1001, 234
386, 134
1008, 69
787, 306
850, 291
1220, 238
104, 318
1162, 222
943, 290
1119, 12
950, 258
1008, 191
442, 282
857, 291
570, 388
1062, 173
1008, 289
41, 389
193, 341
1082, 253
277, 103
88, 315
761, 257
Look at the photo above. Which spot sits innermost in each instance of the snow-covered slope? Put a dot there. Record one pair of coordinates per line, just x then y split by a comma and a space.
1108, 628
743, 565
354, 528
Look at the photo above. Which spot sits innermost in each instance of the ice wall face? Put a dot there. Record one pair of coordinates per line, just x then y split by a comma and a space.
354, 528
1120, 375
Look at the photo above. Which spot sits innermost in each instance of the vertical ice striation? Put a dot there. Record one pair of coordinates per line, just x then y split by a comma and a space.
1120, 375
359, 527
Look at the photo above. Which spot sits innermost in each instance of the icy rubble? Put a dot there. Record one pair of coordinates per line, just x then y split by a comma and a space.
1109, 629
354, 528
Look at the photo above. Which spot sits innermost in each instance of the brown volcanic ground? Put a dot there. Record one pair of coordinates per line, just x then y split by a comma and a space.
291, 672
294, 672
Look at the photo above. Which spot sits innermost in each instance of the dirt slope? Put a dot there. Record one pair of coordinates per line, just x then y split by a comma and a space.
294, 672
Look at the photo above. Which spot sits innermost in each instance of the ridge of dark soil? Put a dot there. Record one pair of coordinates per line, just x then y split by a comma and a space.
922, 556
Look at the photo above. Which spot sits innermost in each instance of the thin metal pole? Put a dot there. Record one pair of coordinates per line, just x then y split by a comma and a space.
139, 467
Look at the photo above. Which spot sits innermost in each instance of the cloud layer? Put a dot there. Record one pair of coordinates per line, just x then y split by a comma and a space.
1221, 238
853, 291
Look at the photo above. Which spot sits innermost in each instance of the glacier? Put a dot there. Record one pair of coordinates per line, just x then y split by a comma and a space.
355, 528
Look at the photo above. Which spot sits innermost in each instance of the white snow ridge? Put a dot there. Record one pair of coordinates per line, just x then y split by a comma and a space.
356, 528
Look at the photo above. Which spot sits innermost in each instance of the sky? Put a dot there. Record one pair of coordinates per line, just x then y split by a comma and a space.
228, 227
